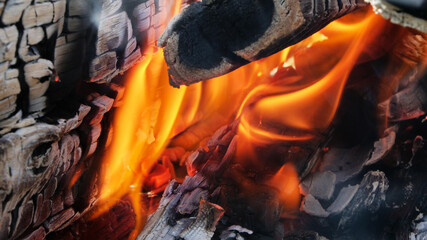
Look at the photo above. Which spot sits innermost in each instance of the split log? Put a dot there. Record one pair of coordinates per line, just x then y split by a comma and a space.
13, 11
211, 38
9, 40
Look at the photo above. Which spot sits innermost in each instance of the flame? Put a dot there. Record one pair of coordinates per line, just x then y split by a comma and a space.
143, 126
305, 104
287, 180
280, 98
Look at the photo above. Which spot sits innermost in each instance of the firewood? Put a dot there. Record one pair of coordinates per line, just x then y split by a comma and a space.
142, 13
3, 67
25, 216
103, 65
13, 11
7, 106
39, 233
42, 210
129, 30
59, 10
9, 123
11, 73
407, 104
200, 42
44, 12
37, 76
37, 15
59, 219
132, 59
34, 35
37, 159
109, 7
190, 197
28, 53
100, 106
5, 223
412, 49
112, 32
130, 47
8, 41
9, 98
200, 227
213, 172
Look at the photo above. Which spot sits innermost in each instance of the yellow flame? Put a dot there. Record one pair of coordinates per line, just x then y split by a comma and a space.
153, 113
309, 105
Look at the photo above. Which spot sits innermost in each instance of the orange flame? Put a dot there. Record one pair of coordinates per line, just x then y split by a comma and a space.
266, 98
305, 104
286, 179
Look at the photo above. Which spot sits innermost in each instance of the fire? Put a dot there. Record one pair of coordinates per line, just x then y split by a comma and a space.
286, 179
280, 98
304, 104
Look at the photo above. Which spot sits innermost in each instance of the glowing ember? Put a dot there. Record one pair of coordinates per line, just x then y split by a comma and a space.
281, 98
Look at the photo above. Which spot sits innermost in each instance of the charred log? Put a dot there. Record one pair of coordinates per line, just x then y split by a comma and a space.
212, 38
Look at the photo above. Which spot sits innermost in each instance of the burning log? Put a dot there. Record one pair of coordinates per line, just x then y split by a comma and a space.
217, 177
209, 39
160, 225
194, 193
53, 49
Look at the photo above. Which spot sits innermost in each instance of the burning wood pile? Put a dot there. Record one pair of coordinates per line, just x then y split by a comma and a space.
302, 134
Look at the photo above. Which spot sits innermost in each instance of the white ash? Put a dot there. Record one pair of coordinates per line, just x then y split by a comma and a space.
312, 206
397, 16
320, 184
